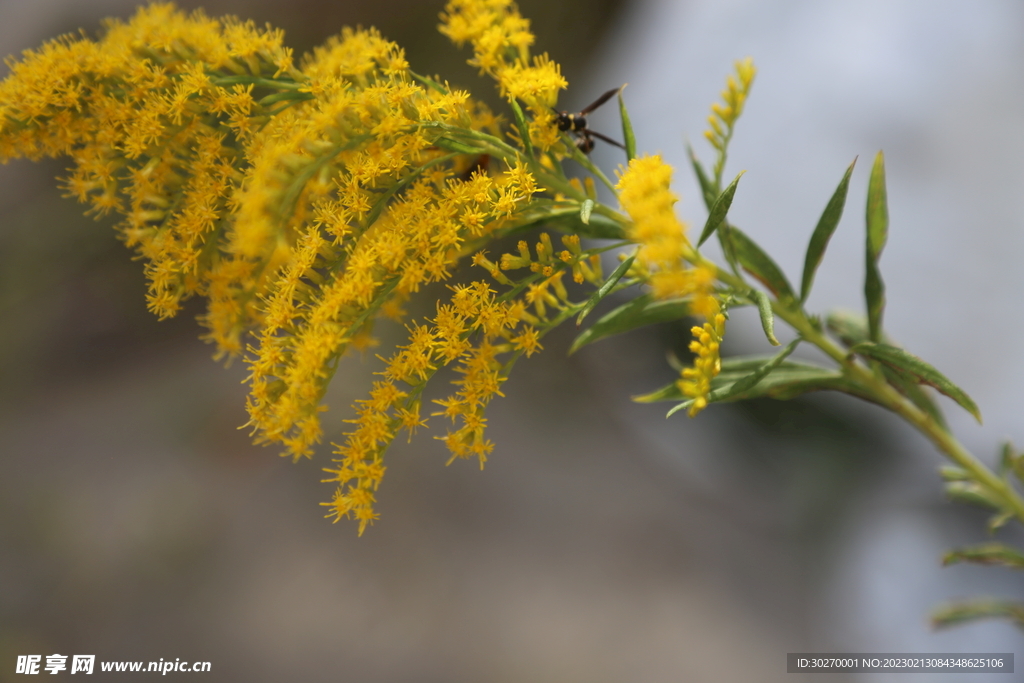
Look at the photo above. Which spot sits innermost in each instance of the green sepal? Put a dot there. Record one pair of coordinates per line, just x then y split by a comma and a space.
755, 261
586, 207
523, 126
628, 138
641, 311
877, 234
764, 309
988, 553
707, 188
605, 287
823, 233
961, 612
719, 210
906, 362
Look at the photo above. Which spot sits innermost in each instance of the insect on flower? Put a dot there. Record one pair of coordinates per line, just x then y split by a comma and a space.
577, 123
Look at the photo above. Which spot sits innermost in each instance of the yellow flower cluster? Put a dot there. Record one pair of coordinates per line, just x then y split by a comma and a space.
723, 116
150, 132
302, 202
664, 253
394, 403
416, 240
501, 39
696, 381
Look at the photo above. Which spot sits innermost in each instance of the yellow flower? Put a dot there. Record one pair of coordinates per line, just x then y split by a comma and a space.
696, 381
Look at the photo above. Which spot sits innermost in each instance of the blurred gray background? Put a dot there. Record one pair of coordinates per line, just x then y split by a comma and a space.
602, 542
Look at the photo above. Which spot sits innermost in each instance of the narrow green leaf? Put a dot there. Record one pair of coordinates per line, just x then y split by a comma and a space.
756, 262
628, 138
785, 380
963, 612
719, 210
383, 200
724, 234
606, 287
907, 362
970, 492
877, 233
995, 522
599, 227
988, 553
909, 387
585, 209
953, 473
639, 312
523, 126
707, 188
764, 309
748, 382
430, 83
1006, 458
823, 233
456, 146
851, 328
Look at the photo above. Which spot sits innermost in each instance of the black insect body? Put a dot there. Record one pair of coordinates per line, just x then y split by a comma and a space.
577, 124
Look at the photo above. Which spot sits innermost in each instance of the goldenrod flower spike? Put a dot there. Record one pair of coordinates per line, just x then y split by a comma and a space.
500, 38
663, 251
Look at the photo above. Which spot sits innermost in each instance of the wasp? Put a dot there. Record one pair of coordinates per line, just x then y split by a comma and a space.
577, 123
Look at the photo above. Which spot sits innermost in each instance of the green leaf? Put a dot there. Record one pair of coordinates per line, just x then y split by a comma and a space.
719, 210
523, 126
707, 188
963, 612
784, 380
877, 233
953, 473
430, 83
851, 328
970, 492
756, 262
823, 233
764, 308
456, 146
606, 287
989, 553
748, 382
641, 311
585, 209
908, 386
383, 200
907, 362
628, 138
569, 221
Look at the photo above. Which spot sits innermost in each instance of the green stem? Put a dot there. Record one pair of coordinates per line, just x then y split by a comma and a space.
885, 395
